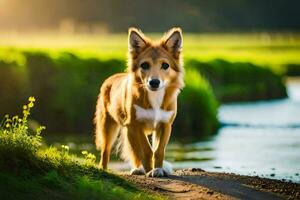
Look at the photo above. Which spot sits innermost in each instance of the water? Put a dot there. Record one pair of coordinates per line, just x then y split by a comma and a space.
262, 138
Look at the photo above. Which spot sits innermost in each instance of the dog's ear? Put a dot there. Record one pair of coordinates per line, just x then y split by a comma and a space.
137, 41
172, 41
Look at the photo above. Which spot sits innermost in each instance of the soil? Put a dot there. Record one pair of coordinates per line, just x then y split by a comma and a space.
196, 183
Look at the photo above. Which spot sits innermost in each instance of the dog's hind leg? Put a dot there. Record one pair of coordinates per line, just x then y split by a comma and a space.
107, 131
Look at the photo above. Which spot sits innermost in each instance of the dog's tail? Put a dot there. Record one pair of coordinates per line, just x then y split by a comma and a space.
97, 119
122, 147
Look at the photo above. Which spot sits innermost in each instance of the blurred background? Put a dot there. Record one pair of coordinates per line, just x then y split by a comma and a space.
95, 16
239, 111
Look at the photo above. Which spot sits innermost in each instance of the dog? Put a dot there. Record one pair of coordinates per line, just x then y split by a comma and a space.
142, 102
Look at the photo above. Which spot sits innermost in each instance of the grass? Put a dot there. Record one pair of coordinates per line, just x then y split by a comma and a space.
31, 171
267, 49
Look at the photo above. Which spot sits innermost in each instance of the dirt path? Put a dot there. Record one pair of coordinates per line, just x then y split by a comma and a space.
198, 184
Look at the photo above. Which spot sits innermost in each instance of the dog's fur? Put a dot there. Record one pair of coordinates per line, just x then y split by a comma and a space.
129, 107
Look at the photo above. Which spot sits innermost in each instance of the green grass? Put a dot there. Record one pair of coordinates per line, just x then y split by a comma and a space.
31, 171
268, 49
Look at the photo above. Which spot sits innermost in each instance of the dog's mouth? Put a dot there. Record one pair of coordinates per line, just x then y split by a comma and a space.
154, 89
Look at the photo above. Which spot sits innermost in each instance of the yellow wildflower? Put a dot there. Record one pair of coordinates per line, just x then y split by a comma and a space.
31, 99
30, 105
84, 152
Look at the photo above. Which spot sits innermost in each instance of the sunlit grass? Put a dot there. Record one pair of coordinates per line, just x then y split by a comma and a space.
259, 48
29, 170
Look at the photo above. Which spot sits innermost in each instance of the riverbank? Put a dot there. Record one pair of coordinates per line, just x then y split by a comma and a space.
196, 183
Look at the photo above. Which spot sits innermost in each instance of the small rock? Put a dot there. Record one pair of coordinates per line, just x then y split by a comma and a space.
210, 192
272, 174
217, 167
196, 170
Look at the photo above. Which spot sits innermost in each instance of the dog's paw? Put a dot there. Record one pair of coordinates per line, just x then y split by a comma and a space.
138, 171
157, 172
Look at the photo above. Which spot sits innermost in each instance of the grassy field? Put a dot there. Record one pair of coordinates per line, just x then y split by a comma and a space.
266, 49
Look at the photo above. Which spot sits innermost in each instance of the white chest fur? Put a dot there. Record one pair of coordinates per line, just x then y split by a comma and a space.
154, 114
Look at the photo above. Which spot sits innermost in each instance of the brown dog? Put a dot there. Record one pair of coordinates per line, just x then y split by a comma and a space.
142, 102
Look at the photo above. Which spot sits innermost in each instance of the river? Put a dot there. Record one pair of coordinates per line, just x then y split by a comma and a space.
260, 138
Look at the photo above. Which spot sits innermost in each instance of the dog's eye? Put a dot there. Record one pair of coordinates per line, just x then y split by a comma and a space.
145, 65
165, 66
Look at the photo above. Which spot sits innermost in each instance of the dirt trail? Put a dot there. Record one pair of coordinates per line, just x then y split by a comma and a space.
198, 184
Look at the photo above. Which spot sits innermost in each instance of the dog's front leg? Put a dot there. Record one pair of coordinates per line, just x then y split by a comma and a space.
160, 141
140, 148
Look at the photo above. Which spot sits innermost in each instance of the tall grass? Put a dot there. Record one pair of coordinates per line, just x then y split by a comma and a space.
28, 170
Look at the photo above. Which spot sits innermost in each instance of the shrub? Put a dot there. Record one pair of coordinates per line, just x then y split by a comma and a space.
292, 69
240, 81
197, 108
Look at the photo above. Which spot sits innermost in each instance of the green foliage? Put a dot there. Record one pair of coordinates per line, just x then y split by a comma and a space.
292, 69
28, 170
197, 108
240, 81
67, 87
17, 141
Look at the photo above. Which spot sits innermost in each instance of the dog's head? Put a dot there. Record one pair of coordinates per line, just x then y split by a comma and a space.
156, 64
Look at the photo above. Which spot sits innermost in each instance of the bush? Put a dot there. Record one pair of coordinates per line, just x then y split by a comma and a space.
292, 69
197, 108
240, 81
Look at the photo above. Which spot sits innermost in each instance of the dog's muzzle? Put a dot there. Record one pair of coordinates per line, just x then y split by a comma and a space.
154, 84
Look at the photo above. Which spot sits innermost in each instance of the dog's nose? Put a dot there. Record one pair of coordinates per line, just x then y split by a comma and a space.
154, 83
